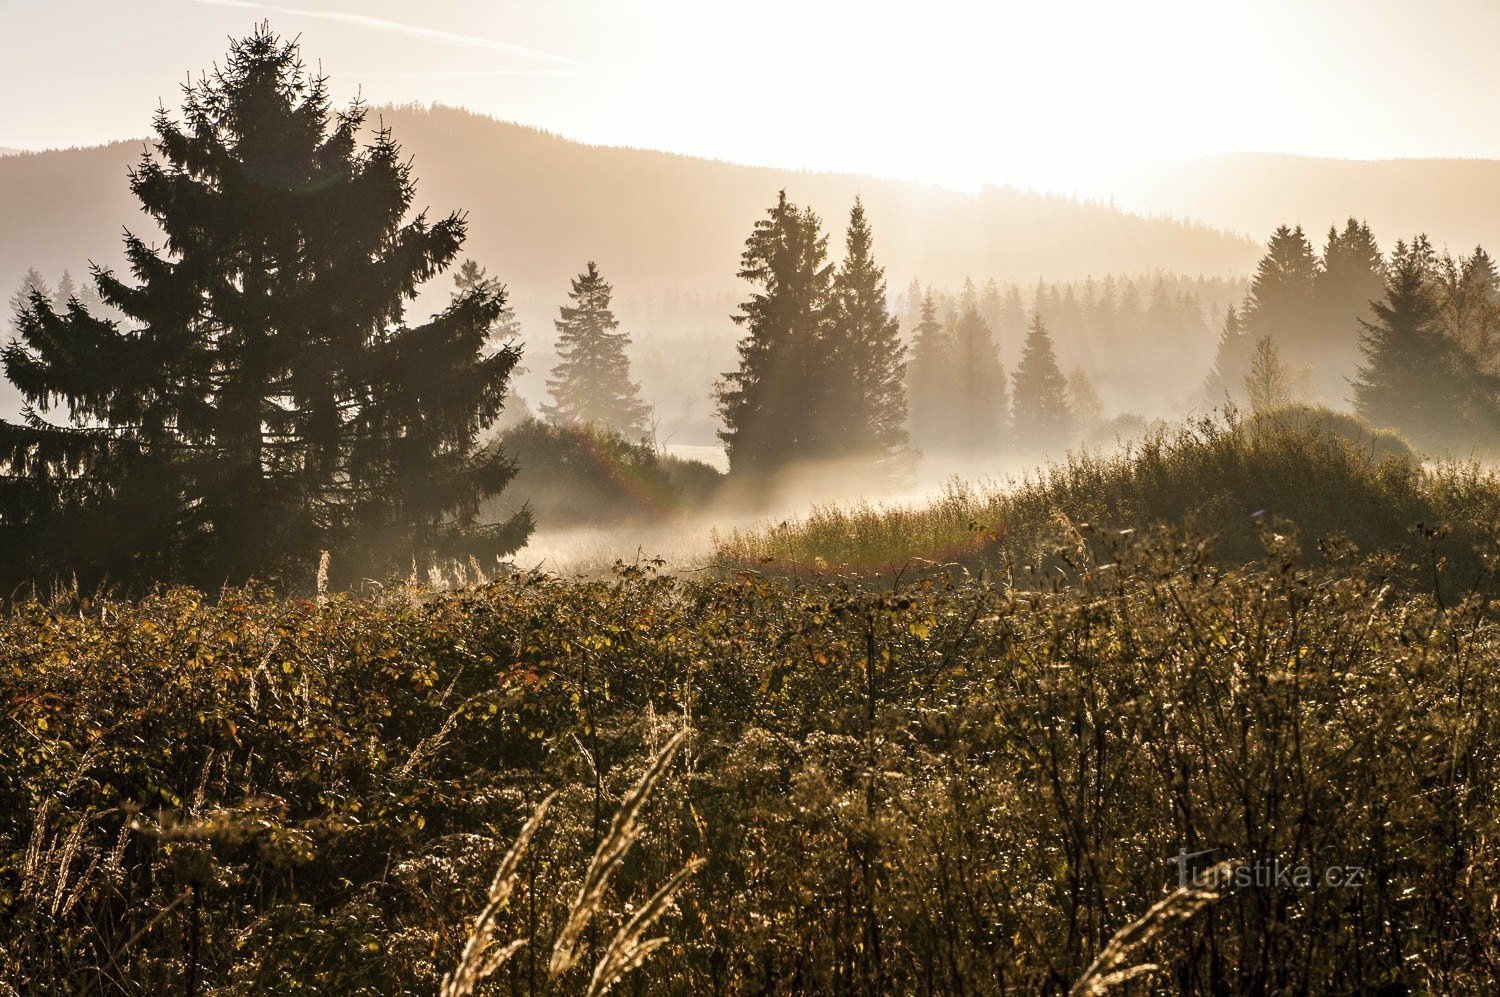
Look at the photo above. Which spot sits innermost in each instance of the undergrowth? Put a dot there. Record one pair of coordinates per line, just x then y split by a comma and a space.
950, 785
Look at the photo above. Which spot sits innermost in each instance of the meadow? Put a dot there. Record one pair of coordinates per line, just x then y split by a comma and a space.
957, 749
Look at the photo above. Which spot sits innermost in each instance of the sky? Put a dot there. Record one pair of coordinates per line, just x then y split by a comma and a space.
1054, 94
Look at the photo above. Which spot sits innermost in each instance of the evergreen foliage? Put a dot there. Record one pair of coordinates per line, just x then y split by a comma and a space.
1416, 375
772, 404
866, 399
1041, 418
1282, 302
929, 375
591, 382
981, 399
1226, 379
263, 398
1352, 275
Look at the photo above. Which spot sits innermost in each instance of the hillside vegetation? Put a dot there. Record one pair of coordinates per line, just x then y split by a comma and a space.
1321, 476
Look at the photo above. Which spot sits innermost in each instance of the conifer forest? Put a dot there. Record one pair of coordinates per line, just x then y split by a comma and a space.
802, 499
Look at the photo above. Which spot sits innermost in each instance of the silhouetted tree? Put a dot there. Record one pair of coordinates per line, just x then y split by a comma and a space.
470, 278
1282, 298
1401, 382
66, 291
931, 379
1226, 380
266, 399
20, 300
1351, 276
981, 410
591, 383
1469, 294
1041, 418
866, 394
772, 407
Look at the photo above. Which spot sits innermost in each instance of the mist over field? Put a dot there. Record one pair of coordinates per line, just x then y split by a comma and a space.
795, 498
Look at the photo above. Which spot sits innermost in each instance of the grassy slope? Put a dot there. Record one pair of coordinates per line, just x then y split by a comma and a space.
1318, 474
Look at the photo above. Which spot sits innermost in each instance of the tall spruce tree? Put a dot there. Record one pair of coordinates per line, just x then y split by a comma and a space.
930, 380
1282, 302
773, 405
1351, 276
66, 291
264, 398
591, 383
981, 409
1401, 382
1041, 418
866, 396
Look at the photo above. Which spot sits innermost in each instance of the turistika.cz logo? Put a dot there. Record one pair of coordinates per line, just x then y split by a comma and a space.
1264, 873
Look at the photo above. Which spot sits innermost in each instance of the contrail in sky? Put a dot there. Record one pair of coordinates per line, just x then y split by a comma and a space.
413, 30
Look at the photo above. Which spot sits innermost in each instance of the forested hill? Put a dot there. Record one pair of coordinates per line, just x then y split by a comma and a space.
1455, 201
666, 230
539, 205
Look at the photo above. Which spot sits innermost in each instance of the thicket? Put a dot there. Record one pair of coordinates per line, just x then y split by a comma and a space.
955, 786
590, 475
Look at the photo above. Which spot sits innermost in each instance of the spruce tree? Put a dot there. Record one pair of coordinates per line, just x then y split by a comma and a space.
20, 300
931, 380
264, 398
1351, 276
470, 278
981, 410
66, 291
1282, 302
591, 383
1041, 417
1401, 382
1226, 379
866, 397
773, 405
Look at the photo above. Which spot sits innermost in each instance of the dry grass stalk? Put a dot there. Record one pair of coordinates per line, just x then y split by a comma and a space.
629, 948
1109, 970
480, 956
623, 832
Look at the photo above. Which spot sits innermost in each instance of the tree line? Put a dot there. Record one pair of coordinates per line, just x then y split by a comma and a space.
1411, 339
252, 394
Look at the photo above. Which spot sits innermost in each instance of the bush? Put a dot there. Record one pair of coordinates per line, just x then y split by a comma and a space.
590, 476
951, 787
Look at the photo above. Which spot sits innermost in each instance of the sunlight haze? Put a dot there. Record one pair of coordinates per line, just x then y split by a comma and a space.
1060, 96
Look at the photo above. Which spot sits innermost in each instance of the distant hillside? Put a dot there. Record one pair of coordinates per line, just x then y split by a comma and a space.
666, 229
1455, 201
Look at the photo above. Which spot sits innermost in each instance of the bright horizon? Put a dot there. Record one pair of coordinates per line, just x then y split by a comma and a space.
1067, 97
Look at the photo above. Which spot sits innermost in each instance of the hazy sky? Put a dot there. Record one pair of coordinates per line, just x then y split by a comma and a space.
1052, 93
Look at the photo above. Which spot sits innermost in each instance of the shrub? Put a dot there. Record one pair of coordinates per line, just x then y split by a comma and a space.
954, 786
589, 476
